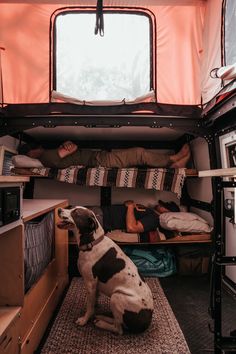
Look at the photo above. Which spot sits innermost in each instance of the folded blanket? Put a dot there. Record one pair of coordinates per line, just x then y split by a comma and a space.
149, 178
184, 222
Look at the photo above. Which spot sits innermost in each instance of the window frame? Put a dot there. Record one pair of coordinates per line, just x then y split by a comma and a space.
116, 10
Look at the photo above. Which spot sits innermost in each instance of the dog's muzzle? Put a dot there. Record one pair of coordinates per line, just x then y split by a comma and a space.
65, 222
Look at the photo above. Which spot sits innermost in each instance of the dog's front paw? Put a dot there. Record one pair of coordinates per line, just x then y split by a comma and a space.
81, 321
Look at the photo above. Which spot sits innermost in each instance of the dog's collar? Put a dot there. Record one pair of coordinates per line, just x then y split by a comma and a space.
90, 245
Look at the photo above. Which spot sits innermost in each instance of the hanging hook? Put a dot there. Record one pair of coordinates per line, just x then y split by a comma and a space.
99, 26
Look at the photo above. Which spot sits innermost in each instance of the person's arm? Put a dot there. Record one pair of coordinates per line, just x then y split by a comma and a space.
132, 225
66, 149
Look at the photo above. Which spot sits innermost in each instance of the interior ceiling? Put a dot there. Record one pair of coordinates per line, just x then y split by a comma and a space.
122, 133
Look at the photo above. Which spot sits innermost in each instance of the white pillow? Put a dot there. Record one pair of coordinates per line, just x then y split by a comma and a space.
25, 161
184, 222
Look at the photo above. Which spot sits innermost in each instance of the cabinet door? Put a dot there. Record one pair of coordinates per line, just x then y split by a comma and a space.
12, 267
10, 342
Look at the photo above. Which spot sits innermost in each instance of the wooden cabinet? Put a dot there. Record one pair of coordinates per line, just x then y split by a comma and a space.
9, 330
25, 316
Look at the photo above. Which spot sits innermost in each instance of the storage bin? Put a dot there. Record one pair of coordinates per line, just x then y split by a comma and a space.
39, 247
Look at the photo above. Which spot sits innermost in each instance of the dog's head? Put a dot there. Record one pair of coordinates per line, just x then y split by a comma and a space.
80, 218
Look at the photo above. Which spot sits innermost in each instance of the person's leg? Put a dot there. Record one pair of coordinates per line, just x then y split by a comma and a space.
181, 159
138, 156
184, 151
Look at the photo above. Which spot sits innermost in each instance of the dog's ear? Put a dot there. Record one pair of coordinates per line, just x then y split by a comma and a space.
85, 221
92, 223
88, 225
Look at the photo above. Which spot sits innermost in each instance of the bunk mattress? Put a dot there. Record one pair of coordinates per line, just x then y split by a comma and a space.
159, 236
150, 178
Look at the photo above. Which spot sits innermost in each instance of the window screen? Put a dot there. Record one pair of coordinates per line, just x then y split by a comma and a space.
116, 66
230, 30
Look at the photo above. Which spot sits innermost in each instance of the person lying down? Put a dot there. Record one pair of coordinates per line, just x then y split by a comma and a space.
164, 217
68, 154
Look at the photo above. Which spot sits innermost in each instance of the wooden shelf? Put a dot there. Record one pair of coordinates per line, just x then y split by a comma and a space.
14, 179
191, 173
33, 208
193, 238
221, 172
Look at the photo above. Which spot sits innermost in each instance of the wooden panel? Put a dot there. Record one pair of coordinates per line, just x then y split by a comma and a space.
12, 267
166, 242
191, 238
204, 238
61, 248
7, 316
56, 271
32, 340
191, 173
221, 172
36, 207
13, 179
37, 296
9, 342
40, 301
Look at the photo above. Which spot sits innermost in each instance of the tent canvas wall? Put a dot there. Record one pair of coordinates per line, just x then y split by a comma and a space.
188, 39
28, 44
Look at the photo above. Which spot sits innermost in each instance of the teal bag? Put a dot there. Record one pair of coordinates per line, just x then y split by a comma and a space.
155, 262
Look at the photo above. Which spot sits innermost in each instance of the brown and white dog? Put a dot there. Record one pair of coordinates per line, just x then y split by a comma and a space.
106, 269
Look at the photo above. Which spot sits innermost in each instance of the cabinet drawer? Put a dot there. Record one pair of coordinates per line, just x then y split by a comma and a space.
9, 341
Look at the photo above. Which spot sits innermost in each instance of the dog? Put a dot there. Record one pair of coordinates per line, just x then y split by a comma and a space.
106, 269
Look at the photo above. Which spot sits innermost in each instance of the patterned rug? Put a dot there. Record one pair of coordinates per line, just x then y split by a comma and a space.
164, 336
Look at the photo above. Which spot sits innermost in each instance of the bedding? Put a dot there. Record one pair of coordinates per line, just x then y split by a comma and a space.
25, 161
167, 179
156, 236
184, 222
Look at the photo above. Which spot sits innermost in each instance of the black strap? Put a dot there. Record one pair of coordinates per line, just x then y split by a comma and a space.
211, 308
99, 27
1, 78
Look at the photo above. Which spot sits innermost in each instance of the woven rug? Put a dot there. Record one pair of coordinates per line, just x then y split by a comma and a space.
164, 336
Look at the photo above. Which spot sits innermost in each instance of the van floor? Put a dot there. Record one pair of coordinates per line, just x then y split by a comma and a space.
189, 299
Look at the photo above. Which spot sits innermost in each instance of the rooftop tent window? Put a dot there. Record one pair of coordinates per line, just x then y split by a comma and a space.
229, 32
115, 66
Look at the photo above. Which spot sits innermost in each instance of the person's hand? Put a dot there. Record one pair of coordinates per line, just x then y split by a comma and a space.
129, 202
140, 207
69, 146
66, 149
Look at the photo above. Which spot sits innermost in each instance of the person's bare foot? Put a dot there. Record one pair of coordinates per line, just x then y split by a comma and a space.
184, 151
181, 163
